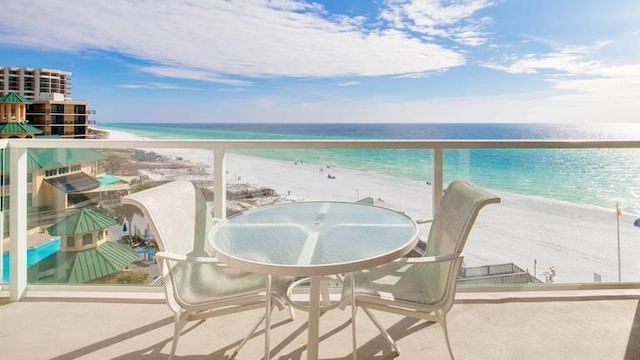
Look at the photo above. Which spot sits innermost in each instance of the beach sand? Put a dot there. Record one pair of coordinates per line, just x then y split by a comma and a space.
579, 241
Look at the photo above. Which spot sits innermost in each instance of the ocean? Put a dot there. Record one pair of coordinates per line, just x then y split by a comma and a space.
601, 177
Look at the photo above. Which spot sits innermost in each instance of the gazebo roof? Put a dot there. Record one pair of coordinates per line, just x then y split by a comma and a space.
78, 267
82, 222
14, 98
18, 128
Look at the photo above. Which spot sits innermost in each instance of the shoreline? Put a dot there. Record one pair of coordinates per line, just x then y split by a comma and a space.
578, 240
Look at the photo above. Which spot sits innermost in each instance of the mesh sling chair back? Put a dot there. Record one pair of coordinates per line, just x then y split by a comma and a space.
421, 287
197, 285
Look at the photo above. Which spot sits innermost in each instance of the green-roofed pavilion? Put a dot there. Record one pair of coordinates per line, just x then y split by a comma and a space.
18, 128
84, 266
86, 253
81, 222
13, 112
14, 98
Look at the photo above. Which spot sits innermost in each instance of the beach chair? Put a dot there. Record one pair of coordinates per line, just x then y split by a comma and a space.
197, 285
422, 287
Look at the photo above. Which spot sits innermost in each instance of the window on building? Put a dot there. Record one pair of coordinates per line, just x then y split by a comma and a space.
100, 234
87, 239
63, 170
71, 241
51, 172
76, 168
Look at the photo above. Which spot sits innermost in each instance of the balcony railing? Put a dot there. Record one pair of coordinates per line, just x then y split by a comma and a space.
436, 167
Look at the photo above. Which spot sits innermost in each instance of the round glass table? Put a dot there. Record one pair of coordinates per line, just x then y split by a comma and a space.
313, 239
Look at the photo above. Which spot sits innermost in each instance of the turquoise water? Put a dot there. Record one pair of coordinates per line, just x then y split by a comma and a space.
107, 179
601, 177
34, 255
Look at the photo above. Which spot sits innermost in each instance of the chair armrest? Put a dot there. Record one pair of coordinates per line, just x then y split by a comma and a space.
189, 259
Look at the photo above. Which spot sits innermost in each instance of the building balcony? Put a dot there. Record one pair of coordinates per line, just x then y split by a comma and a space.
589, 309
571, 327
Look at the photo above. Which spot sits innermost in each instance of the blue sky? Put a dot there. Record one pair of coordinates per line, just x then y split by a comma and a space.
337, 61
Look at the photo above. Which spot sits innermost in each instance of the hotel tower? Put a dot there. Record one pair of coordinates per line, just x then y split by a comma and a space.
51, 109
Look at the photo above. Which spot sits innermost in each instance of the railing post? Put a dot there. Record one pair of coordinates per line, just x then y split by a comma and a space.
437, 183
18, 223
220, 183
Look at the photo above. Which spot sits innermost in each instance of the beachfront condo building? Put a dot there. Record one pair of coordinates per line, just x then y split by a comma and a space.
51, 109
36, 84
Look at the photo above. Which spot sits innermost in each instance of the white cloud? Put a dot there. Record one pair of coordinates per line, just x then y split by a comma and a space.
155, 86
221, 41
447, 19
347, 83
193, 74
569, 60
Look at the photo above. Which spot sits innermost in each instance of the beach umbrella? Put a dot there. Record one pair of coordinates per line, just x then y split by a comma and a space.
637, 222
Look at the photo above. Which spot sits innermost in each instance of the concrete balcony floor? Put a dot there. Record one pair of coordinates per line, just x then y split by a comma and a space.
567, 328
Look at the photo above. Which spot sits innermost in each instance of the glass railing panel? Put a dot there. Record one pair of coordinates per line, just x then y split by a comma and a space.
79, 232
557, 222
4, 216
395, 178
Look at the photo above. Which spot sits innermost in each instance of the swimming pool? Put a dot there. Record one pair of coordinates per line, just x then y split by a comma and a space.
34, 255
108, 179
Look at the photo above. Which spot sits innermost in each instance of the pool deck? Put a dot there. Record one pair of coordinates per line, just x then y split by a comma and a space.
34, 238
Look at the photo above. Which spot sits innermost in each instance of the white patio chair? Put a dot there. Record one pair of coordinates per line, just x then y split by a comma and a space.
197, 285
422, 287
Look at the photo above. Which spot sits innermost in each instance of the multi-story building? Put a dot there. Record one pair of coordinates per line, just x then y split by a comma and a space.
36, 84
52, 110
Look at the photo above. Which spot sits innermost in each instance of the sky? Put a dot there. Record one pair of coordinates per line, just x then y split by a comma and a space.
339, 61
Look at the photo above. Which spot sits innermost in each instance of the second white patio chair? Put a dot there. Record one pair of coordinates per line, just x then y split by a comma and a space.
421, 287
197, 285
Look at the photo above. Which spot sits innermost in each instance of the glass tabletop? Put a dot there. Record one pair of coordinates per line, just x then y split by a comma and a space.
313, 238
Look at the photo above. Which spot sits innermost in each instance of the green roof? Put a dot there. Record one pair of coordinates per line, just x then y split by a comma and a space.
83, 266
46, 158
18, 128
82, 222
14, 98
49, 158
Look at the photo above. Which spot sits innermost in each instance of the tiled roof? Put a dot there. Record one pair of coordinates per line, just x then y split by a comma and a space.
82, 222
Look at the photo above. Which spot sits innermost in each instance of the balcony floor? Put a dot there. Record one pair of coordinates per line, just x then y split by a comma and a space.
594, 328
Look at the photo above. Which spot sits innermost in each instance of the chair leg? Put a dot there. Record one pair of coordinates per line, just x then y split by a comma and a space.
292, 314
443, 322
180, 319
267, 322
354, 309
383, 332
246, 338
353, 328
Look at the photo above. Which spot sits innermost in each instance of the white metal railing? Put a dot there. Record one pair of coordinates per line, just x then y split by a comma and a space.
18, 170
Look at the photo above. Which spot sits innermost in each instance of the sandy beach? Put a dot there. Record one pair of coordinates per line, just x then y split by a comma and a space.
579, 241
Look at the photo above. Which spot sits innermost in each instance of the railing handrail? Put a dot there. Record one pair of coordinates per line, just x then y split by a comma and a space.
211, 144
